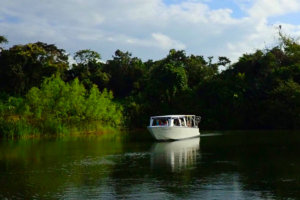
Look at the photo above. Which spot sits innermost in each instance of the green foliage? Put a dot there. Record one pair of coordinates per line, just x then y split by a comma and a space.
166, 80
89, 69
125, 74
101, 108
198, 71
19, 128
55, 107
284, 104
13, 122
87, 56
3, 39
25, 66
71, 103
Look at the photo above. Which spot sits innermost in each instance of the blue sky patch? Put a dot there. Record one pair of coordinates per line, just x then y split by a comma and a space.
11, 19
292, 18
237, 11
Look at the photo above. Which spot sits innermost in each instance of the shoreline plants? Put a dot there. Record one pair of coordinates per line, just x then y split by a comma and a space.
58, 107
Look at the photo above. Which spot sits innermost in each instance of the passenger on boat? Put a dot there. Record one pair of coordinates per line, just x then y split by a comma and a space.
166, 123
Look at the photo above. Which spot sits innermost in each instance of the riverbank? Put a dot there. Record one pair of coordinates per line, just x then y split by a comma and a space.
20, 128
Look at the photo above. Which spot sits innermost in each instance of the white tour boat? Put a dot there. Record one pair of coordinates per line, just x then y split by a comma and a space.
174, 127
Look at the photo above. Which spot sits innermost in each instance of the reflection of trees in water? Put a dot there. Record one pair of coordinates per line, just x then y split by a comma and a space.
48, 169
266, 163
275, 169
247, 165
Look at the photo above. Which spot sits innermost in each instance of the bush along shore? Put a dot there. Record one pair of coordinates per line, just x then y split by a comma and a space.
60, 108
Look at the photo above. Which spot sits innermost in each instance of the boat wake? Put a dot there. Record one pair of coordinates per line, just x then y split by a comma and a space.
211, 134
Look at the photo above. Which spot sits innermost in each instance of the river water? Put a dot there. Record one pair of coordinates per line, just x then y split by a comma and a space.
218, 165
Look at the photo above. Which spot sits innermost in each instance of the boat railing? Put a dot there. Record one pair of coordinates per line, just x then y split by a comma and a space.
176, 121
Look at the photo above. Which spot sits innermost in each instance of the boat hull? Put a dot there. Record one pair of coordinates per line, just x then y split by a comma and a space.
173, 133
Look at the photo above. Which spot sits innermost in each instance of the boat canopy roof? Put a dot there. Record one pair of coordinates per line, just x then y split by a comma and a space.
163, 116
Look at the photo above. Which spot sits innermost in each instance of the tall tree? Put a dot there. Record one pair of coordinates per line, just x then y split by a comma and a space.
125, 73
89, 69
25, 66
2, 41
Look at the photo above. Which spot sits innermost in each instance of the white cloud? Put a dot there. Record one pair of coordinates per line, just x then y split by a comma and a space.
267, 8
167, 43
148, 29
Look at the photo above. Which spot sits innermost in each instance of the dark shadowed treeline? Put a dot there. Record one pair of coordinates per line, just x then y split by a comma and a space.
39, 86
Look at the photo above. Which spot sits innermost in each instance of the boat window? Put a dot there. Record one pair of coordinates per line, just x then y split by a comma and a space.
189, 121
182, 121
193, 123
176, 122
160, 122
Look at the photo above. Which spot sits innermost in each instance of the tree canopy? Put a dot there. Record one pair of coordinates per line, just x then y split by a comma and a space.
25, 66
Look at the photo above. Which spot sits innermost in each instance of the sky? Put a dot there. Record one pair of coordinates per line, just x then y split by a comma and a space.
150, 28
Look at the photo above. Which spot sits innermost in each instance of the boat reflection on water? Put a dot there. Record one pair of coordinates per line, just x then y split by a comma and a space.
176, 155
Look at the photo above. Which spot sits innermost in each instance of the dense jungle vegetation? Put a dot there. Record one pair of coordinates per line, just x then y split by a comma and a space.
42, 93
